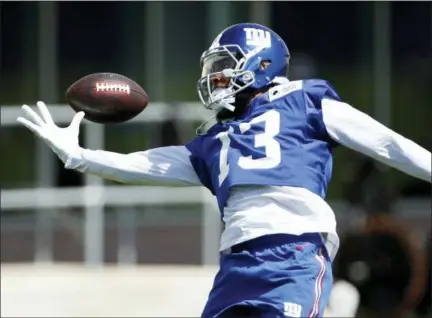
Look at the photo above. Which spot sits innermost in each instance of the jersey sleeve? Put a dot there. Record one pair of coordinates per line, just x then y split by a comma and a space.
315, 90
198, 162
358, 131
169, 166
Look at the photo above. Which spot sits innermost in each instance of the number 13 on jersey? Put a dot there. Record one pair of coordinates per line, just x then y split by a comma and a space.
265, 139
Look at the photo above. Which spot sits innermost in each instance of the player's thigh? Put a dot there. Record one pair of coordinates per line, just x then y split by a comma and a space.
248, 309
306, 293
241, 311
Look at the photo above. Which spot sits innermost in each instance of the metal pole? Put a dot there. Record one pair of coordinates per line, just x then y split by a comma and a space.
155, 59
382, 62
211, 230
47, 82
218, 17
260, 12
126, 221
155, 49
94, 212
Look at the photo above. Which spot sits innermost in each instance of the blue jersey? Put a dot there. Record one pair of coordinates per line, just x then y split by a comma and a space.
280, 140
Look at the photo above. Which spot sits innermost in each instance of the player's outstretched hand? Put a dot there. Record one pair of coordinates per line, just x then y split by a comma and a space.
63, 141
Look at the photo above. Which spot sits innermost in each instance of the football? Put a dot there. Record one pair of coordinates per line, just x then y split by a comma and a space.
107, 98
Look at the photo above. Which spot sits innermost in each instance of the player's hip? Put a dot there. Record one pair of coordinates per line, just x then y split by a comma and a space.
285, 248
237, 235
277, 275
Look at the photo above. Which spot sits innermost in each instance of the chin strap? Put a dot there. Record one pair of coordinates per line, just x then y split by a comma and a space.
206, 125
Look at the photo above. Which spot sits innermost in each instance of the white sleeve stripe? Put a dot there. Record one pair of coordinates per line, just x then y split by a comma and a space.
358, 131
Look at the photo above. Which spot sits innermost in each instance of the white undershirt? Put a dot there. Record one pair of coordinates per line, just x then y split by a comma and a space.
255, 211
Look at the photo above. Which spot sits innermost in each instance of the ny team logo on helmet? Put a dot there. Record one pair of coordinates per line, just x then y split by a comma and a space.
249, 55
257, 37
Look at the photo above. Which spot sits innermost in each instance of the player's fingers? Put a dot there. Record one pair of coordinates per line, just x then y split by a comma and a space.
76, 121
32, 114
27, 123
43, 109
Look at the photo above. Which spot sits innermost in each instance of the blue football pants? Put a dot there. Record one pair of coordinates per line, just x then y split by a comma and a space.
272, 276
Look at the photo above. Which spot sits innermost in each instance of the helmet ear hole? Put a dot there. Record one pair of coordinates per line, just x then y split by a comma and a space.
264, 65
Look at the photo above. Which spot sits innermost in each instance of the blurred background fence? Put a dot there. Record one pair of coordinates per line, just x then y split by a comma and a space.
378, 55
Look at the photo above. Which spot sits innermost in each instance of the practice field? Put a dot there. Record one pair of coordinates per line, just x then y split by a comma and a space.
76, 291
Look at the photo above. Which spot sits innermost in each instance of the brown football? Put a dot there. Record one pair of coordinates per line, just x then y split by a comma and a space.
107, 98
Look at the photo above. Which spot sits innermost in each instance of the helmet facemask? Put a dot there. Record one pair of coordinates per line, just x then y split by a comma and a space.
226, 62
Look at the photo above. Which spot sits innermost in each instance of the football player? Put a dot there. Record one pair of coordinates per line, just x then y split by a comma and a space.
267, 157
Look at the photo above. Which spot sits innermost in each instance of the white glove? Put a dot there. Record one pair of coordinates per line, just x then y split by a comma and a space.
63, 141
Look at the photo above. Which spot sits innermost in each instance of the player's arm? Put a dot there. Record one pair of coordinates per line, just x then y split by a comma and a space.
358, 131
169, 166
161, 166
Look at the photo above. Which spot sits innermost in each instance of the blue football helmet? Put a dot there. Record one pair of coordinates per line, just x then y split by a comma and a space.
248, 55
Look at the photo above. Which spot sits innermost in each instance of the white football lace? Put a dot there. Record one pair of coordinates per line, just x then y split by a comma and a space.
107, 87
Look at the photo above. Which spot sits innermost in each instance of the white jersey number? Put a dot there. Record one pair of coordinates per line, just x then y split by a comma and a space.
266, 139
223, 156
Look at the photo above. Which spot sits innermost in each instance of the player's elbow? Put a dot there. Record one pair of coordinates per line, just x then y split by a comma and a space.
389, 145
388, 148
